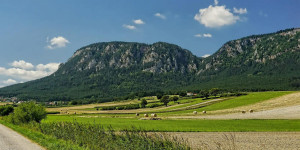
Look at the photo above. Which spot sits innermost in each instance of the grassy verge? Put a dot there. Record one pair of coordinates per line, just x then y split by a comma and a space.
183, 125
45, 141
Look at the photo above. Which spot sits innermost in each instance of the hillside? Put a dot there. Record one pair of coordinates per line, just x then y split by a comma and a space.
113, 69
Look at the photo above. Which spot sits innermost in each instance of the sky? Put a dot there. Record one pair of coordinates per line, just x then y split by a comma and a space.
37, 35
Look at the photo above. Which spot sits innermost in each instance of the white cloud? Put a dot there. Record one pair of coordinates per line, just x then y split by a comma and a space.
206, 55
198, 35
138, 21
240, 11
216, 16
51, 67
216, 2
57, 42
22, 64
130, 27
161, 16
39, 71
9, 81
205, 35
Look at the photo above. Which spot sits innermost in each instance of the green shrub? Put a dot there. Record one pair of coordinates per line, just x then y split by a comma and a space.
6, 110
143, 103
120, 107
154, 105
27, 112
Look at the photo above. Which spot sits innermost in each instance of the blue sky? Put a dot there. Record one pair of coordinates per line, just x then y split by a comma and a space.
37, 35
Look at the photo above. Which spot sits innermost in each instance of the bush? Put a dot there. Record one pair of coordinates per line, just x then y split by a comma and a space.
165, 99
182, 94
27, 112
6, 110
120, 107
153, 105
143, 103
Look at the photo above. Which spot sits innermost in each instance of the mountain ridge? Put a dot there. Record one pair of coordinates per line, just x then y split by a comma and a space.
114, 69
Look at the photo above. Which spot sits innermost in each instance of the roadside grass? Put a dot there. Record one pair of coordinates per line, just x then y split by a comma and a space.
96, 137
182, 125
46, 141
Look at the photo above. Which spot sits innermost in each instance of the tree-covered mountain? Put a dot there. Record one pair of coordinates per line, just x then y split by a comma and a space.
114, 69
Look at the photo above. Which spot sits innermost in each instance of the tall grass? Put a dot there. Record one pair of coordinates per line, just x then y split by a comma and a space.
95, 137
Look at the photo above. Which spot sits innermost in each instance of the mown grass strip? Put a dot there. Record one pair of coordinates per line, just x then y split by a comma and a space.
45, 141
184, 125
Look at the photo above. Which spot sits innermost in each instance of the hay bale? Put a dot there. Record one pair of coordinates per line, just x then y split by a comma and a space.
195, 112
251, 110
243, 111
153, 115
137, 114
204, 112
145, 115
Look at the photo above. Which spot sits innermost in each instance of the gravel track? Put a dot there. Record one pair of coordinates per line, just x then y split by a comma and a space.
11, 140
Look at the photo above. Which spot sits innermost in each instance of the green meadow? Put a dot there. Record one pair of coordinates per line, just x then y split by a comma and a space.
190, 125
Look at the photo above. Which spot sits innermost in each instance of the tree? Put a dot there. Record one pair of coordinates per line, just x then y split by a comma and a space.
165, 99
143, 103
74, 102
6, 110
27, 112
174, 98
204, 93
182, 94
159, 95
214, 91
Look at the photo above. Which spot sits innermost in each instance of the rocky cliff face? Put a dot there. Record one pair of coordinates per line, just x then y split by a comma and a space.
257, 50
155, 58
163, 57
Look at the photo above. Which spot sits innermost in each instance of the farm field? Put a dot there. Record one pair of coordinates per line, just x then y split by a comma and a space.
269, 127
184, 120
4, 103
223, 124
190, 125
183, 108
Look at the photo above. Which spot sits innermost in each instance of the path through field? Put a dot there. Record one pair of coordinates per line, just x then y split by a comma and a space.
241, 140
11, 140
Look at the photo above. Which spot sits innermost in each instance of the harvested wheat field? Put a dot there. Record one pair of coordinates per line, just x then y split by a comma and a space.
283, 107
241, 140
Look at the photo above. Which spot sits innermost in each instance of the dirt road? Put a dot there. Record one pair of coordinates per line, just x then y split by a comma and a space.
10, 140
241, 140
